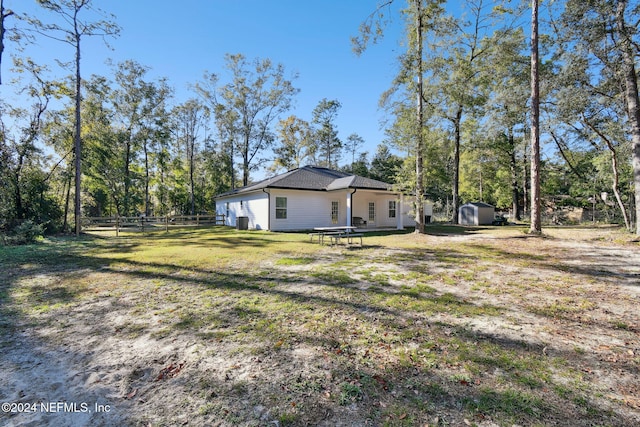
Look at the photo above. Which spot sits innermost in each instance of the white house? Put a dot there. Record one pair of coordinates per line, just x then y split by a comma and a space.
310, 196
476, 213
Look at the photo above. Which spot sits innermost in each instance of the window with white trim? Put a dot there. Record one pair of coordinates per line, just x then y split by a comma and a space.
392, 208
335, 212
281, 208
372, 211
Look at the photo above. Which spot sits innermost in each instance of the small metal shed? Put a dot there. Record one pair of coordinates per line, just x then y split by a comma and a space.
476, 213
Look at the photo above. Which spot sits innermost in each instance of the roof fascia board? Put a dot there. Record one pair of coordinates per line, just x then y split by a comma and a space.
239, 193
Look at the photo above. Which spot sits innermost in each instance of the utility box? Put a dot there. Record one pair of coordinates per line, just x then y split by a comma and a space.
242, 223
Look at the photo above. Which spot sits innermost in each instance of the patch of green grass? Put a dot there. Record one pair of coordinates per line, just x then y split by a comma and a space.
424, 288
528, 381
448, 280
430, 304
295, 261
349, 393
563, 307
617, 324
208, 408
512, 403
133, 330
337, 277
468, 275
563, 391
218, 335
34, 297
398, 416
380, 279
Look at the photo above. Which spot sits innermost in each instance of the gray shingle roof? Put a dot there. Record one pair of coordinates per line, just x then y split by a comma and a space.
315, 179
480, 204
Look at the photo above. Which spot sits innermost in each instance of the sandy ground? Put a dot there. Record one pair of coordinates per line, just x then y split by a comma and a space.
78, 372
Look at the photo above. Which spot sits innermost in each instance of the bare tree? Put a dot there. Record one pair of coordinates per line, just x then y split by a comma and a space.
536, 226
354, 142
72, 31
190, 118
629, 53
420, 122
371, 30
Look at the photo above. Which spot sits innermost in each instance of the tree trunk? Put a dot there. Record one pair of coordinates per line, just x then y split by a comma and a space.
616, 191
614, 166
245, 162
65, 224
192, 142
525, 181
77, 138
232, 169
633, 102
456, 164
127, 178
536, 222
3, 16
2, 31
146, 179
17, 191
161, 196
419, 134
513, 166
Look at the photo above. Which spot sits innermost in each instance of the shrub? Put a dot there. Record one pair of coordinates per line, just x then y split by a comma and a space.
25, 233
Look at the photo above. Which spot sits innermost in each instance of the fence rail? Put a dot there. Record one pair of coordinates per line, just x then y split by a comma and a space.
142, 222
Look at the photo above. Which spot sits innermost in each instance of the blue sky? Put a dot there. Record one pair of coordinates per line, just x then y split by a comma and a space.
180, 40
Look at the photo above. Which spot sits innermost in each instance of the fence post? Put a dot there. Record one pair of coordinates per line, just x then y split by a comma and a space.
166, 223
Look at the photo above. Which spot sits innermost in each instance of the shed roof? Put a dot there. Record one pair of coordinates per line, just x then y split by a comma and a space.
315, 179
480, 204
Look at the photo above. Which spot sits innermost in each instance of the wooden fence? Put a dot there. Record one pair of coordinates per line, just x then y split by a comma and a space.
150, 222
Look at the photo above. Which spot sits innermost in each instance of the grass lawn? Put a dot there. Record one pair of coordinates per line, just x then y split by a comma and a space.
215, 326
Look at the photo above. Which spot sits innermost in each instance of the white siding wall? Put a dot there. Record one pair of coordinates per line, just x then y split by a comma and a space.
409, 212
252, 205
361, 200
307, 209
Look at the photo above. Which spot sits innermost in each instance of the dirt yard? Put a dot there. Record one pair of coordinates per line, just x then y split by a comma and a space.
480, 327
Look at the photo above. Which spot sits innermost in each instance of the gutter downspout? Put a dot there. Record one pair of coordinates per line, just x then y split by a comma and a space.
264, 190
349, 207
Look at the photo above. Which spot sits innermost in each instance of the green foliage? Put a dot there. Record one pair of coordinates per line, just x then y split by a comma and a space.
329, 145
25, 233
246, 107
136, 158
385, 166
296, 144
25, 193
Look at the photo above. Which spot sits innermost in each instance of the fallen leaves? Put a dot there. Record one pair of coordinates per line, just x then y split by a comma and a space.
170, 371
